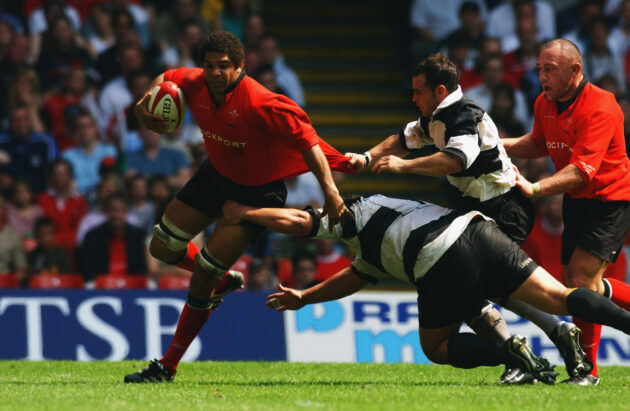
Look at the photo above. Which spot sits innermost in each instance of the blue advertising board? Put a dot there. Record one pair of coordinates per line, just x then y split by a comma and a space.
132, 324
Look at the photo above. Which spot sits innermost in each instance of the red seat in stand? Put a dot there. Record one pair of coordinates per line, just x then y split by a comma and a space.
8, 280
53, 281
174, 282
121, 282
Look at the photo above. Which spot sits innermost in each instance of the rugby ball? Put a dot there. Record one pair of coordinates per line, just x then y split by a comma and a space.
167, 101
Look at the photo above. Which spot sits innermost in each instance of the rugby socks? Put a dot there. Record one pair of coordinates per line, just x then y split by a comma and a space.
188, 261
191, 320
467, 350
618, 292
589, 307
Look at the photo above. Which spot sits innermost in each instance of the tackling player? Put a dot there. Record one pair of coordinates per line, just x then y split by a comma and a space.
456, 259
254, 139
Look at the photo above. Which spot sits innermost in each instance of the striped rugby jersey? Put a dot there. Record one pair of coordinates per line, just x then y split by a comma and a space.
460, 127
401, 238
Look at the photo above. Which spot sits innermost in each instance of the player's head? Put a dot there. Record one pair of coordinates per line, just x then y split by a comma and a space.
560, 69
221, 56
434, 79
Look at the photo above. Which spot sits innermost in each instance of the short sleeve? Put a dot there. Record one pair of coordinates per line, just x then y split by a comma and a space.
413, 137
594, 136
367, 271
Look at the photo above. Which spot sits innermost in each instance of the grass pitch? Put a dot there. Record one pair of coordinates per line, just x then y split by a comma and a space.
71, 385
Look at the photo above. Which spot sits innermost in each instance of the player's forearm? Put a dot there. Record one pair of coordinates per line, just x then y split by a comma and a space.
317, 163
564, 180
438, 164
288, 221
389, 147
342, 284
522, 147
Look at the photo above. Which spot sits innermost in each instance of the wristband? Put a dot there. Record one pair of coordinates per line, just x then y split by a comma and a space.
368, 158
536, 190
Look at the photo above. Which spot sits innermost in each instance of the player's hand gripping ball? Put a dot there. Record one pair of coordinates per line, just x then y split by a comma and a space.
167, 101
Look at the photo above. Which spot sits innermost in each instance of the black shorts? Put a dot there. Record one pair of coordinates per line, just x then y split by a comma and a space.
599, 227
208, 190
483, 263
513, 212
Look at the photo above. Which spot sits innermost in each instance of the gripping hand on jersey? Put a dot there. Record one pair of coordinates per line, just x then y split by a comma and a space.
151, 121
335, 208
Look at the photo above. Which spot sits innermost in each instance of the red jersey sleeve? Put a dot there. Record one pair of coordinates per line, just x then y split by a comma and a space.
594, 135
287, 122
537, 132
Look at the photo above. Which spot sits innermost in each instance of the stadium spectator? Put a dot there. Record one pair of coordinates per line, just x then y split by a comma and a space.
22, 210
12, 257
184, 52
502, 21
106, 188
431, 25
253, 60
154, 159
303, 191
609, 83
493, 74
159, 189
29, 152
171, 22
303, 269
98, 30
234, 16
47, 257
86, 158
520, 64
39, 21
62, 50
266, 76
471, 155
471, 25
261, 277
253, 31
581, 128
254, 139
114, 247
62, 108
470, 76
63, 204
25, 91
329, 259
598, 58
285, 76
590, 10
140, 18
619, 38
140, 206
502, 111
437, 249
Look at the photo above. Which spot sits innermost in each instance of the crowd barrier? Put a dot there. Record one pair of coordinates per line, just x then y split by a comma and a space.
89, 325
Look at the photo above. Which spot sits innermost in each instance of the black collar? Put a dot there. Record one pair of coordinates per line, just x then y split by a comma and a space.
563, 105
236, 83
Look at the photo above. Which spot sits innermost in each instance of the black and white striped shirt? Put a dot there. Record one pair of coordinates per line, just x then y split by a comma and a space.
401, 238
460, 127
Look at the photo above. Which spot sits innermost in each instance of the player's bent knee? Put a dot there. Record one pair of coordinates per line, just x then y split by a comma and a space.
209, 266
167, 235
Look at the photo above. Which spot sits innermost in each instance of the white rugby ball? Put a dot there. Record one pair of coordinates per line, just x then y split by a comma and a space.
167, 101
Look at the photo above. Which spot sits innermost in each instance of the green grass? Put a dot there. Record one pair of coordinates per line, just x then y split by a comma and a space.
293, 386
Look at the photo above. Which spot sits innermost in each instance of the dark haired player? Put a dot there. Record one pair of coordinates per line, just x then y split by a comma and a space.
255, 139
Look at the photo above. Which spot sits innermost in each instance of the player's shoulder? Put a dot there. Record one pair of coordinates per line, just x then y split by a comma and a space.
597, 99
184, 76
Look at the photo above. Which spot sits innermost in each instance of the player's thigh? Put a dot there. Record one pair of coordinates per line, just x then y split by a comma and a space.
228, 242
544, 292
434, 342
585, 270
187, 218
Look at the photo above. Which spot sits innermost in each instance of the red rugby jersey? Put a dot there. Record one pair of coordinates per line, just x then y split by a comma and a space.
588, 134
255, 136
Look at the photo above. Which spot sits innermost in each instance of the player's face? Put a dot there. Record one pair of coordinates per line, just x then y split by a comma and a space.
556, 75
424, 98
219, 71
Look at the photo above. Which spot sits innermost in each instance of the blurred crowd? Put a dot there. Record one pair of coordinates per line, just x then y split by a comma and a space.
81, 178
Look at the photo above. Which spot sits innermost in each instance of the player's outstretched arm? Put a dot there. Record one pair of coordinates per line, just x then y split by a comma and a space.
283, 220
522, 147
150, 120
389, 147
342, 284
334, 206
437, 165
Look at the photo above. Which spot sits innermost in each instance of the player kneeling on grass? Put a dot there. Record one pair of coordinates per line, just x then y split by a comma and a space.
456, 260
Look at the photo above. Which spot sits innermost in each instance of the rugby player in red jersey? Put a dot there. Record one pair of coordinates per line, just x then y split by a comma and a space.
255, 139
580, 126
